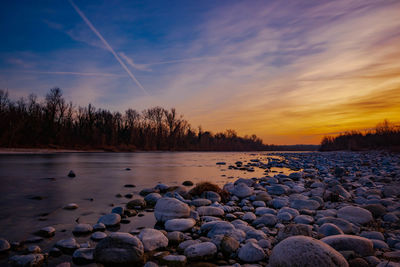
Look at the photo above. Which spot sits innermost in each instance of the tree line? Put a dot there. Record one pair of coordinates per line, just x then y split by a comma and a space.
56, 123
386, 135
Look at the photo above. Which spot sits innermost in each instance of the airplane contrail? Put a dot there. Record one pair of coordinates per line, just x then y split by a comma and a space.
87, 21
78, 73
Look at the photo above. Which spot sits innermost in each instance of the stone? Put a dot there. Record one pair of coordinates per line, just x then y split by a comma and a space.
278, 189
71, 206
229, 245
119, 249
224, 228
4, 245
118, 210
46, 232
187, 183
360, 245
266, 219
263, 196
136, 204
82, 229
152, 239
175, 260
304, 219
83, 256
67, 245
34, 260
152, 198
241, 190
201, 202
97, 236
328, 229
71, 174
34, 249
377, 210
343, 224
201, 251
355, 215
373, 235
150, 264
294, 230
305, 251
212, 196
251, 252
388, 264
175, 237
181, 225
182, 246
110, 220
99, 227
170, 208
210, 211
301, 204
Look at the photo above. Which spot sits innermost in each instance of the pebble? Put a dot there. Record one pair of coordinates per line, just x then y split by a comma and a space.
83, 256
152, 239
68, 245
360, 245
181, 225
251, 252
109, 220
201, 251
71, 206
27, 260
82, 229
46, 232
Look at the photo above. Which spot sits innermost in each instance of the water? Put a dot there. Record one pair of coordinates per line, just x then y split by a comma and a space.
100, 176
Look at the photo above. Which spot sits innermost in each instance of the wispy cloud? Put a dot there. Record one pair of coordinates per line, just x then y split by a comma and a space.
129, 61
90, 25
75, 73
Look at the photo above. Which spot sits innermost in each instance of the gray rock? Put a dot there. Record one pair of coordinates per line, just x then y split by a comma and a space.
294, 230
83, 256
170, 208
360, 245
210, 211
175, 260
304, 219
119, 249
46, 232
82, 229
328, 229
152, 198
301, 204
229, 245
67, 245
71, 206
241, 190
251, 252
96, 236
181, 225
109, 220
4, 245
355, 215
343, 224
27, 260
202, 251
266, 219
152, 239
278, 189
201, 202
305, 251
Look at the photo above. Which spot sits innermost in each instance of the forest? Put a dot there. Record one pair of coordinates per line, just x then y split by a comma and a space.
56, 123
386, 135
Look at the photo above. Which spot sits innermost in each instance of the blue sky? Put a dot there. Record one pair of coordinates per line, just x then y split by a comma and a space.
263, 67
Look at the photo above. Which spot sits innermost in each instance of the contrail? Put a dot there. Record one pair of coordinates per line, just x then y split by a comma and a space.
77, 73
107, 45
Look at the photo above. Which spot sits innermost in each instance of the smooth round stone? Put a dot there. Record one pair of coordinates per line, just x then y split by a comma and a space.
225, 228
249, 217
109, 220
201, 202
83, 256
182, 246
284, 216
292, 211
229, 245
377, 210
390, 217
328, 229
343, 224
27, 260
266, 219
212, 196
119, 249
96, 236
278, 189
71, 206
388, 264
170, 208
67, 245
261, 211
251, 252
210, 211
379, 244
305, 251
355, 215
118, 210
152, 239
46, 231
152, 198
259, 204
181, 225
373, 235
263, 196
175, 237
279, 202
4, 245
304, 219
301, 204
241, 190
293, 230
360, 245
82, 229
150, 264
256, 234
99, 227
201, 251
175, 260
136, 204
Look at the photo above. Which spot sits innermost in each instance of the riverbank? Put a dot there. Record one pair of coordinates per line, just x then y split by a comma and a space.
332, 209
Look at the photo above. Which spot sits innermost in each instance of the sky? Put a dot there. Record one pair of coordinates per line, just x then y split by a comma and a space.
290, 71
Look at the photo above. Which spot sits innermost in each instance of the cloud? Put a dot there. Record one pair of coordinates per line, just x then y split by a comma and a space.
95, 31
129, 61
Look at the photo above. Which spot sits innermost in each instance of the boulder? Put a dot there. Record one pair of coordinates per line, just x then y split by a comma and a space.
170, 208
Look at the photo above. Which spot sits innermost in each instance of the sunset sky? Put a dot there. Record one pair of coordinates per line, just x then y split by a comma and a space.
288, 71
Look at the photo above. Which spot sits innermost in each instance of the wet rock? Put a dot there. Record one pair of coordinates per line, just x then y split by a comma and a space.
170, 208
136, 204
187, 183
4, 245
82, 229
67, 245
305, 251
46, 232
119, 249
83, 256
152, 239
210, 211
201, 202
174, 260
251, 252
71, 206
109, 220
34, 249
266, 219
360, 245
241, 190
328, 229
97, 236
181, 225
355, 215
202, 251
99, 227
33, 260
152, 198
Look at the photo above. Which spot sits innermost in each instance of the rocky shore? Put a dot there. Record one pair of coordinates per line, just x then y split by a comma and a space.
334, 209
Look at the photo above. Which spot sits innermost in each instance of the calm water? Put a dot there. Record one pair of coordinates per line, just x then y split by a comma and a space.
100, 176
